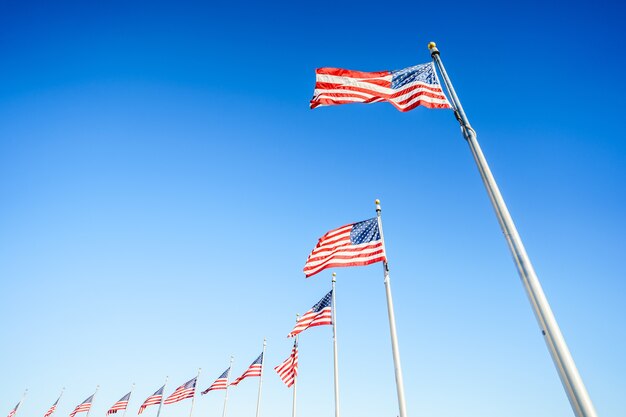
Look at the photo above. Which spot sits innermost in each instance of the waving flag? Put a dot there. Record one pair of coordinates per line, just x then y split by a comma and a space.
220, 383
405, 89
152, 400
288, 370
187, 390
355, 244
319, 315
14, 411
52, 409
254, 370
120, 405
85, 406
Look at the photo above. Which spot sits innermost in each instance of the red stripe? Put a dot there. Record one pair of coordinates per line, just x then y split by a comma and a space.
340, 72
356, 263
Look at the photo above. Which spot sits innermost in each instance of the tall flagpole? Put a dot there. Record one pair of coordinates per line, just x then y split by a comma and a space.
230, 367
335, 352
131, 393
392, 322
295, 376
258, 401
93, 400
19, 405
193, 399
563, 361
162, 397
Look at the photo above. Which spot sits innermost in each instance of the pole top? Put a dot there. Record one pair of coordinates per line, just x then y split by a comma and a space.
377, 202
432, 46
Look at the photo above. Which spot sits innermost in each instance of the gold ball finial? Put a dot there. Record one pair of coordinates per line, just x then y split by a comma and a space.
334, 274
432, 45
377, 201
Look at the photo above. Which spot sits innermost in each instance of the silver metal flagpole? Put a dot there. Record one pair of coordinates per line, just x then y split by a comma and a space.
131, 393
392, 322
162, 398
230, 367
258, 401
193, 399
295, 376
335, 352
93, 400
57, 402
19, 405
570, 378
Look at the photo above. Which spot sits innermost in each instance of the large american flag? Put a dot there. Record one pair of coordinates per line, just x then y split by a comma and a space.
12, 412
83, 407
354, 244
254, 369
152, 400
220, 383
405, 89
52, 409
187, 390
288, 370
319, 315
120, 405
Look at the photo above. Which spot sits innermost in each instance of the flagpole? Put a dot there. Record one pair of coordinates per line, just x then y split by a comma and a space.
162, 397
258, 401
295, 375
19, 405
93, 400
230, 367
561, 356
193, 399
131, 393
57, 403
392, 322
335, 351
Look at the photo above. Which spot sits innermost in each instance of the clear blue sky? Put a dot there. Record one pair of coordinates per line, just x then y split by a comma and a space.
162, 181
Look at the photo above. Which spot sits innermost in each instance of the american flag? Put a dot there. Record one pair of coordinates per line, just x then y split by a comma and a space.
288, 370
319, 315
52, 409
120, 405
254, 370
354, 244
187, 390
220, 383
12, 412
405, 89
152, 400
82, 407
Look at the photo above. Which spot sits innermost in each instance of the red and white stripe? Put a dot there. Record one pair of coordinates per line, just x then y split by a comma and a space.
288, 370
335, 249
340, 86
253, 370
81, 408
151, 400
312, 319
180, 394
120, 405
51, 410
220, 383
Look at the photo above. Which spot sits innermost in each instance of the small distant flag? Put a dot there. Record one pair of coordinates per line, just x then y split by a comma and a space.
152, 400
254, 370
120, 405
319, 315
83, 407
220, 383
14, 411
288, 370
187, 390
52, 409
405, 89
355, 244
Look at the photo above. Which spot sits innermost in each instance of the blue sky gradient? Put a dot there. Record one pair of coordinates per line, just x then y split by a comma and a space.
162, 181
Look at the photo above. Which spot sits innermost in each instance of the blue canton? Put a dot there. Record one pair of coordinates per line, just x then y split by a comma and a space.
323, 303
365, 232
423, 72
